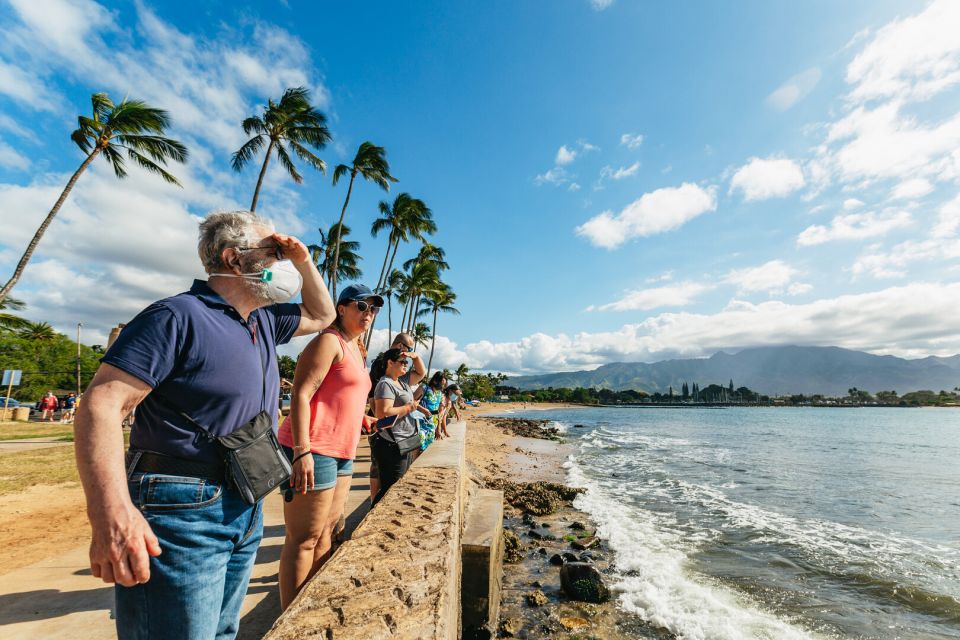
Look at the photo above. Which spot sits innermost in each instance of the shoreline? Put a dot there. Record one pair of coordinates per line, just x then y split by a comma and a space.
533, 604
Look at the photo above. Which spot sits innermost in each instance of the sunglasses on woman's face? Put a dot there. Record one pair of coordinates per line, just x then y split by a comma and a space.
363, 307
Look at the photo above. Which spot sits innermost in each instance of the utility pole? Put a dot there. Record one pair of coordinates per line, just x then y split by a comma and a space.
79, 324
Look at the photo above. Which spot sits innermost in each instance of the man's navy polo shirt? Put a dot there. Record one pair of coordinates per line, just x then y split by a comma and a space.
201, 358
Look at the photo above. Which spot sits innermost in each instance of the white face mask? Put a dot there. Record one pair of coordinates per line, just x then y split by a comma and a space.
281, 280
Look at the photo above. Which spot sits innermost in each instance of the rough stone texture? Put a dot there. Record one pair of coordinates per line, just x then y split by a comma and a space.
399, 574
482, 563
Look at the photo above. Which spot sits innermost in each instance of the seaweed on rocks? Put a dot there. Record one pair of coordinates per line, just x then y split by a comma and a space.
526, 428
537, 498
512, 548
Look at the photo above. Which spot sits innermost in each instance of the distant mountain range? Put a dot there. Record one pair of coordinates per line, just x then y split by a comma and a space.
769, 370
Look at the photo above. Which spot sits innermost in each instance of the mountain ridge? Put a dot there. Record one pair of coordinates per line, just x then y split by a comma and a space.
777, 370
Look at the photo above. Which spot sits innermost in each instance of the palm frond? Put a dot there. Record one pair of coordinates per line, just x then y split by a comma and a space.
82, 140
101, 106
253, 124
244, 154
338, 172
157, 147
112, 155
287, 163
152, 166
308, 157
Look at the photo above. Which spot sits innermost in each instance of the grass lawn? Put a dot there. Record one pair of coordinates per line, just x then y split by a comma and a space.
53, 465
20, 430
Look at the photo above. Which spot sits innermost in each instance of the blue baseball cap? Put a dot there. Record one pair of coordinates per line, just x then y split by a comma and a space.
359, 292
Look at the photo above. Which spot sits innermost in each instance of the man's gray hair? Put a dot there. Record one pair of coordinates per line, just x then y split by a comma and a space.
225, 229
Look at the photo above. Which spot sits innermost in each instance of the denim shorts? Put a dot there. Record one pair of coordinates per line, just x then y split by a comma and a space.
326, 470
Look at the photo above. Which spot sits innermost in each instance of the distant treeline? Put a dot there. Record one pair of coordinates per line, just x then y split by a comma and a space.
718, 394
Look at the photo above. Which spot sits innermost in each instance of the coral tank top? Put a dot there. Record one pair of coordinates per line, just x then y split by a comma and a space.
336, 409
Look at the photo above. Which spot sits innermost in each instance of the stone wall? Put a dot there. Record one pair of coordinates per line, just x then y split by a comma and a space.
399, 574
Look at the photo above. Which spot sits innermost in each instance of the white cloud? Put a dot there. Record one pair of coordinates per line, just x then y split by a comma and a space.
763, 178
772, 277
631, 141
942, 244
680, 294
565, 156
794, 89
573, 187
610, 173
915, 57
600, 5
655, 212
586, 147
555, 176
852, 203
910, 321
799, 288
10, 158
855, 226
910, 189
25, 88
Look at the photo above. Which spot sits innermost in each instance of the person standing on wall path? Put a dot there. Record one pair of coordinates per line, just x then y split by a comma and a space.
320, 437
177, 539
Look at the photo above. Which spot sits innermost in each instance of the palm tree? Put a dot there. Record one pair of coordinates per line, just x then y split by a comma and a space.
407, 217
323, 254
422, 279
371, 164
462, 371
391, 288
429, 253
8, 321
441, 299
421, 333
132, 127
39, 333
292, 120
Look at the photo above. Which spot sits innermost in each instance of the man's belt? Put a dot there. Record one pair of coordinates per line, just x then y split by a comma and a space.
148, 462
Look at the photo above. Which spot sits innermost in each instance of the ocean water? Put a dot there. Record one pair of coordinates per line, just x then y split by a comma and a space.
738, 523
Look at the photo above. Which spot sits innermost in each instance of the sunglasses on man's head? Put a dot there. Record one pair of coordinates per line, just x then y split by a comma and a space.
363, 306
277, 251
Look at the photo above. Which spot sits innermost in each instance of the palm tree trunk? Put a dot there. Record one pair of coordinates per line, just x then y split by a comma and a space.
25, 258
263, 172
336, 251
386, 258
433, 342
389, 321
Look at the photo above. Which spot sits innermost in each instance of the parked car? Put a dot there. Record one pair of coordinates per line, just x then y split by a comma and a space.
11, 403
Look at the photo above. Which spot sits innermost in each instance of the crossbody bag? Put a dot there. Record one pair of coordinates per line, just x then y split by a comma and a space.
255, 463
384, 429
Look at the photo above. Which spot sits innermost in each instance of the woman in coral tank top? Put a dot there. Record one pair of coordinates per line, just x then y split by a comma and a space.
320, 437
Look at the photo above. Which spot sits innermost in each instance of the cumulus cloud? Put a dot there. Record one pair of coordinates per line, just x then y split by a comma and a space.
794, 89
910, 58
772, 277
565, 156
763, 178
910, 189
631, 140
680, 294
909, 321
655, 212
852, 203
855, 226
942, 244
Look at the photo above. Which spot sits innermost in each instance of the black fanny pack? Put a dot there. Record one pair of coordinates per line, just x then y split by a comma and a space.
384, 430
255, 463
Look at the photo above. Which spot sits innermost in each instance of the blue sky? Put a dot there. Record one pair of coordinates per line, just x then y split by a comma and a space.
612, 180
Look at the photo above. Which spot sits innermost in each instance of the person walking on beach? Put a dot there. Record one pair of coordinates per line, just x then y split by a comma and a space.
320, 436
48, 405
404, 342
177, 539
393, 397
68, 406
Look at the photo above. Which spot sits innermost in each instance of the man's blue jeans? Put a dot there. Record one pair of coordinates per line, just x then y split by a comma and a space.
208, 538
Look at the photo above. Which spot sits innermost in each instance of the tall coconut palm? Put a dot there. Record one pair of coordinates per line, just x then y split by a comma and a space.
323, 254
293, 121
371, 164
388, 291
429, 253
421, 333
440, 301
462, 372
132, 128
423, 279
39, 333
8, 321
407, 217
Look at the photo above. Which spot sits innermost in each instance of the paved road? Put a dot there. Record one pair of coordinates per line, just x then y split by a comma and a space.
57, 599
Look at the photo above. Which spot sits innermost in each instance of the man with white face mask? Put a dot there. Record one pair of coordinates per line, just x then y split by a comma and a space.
169, 529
